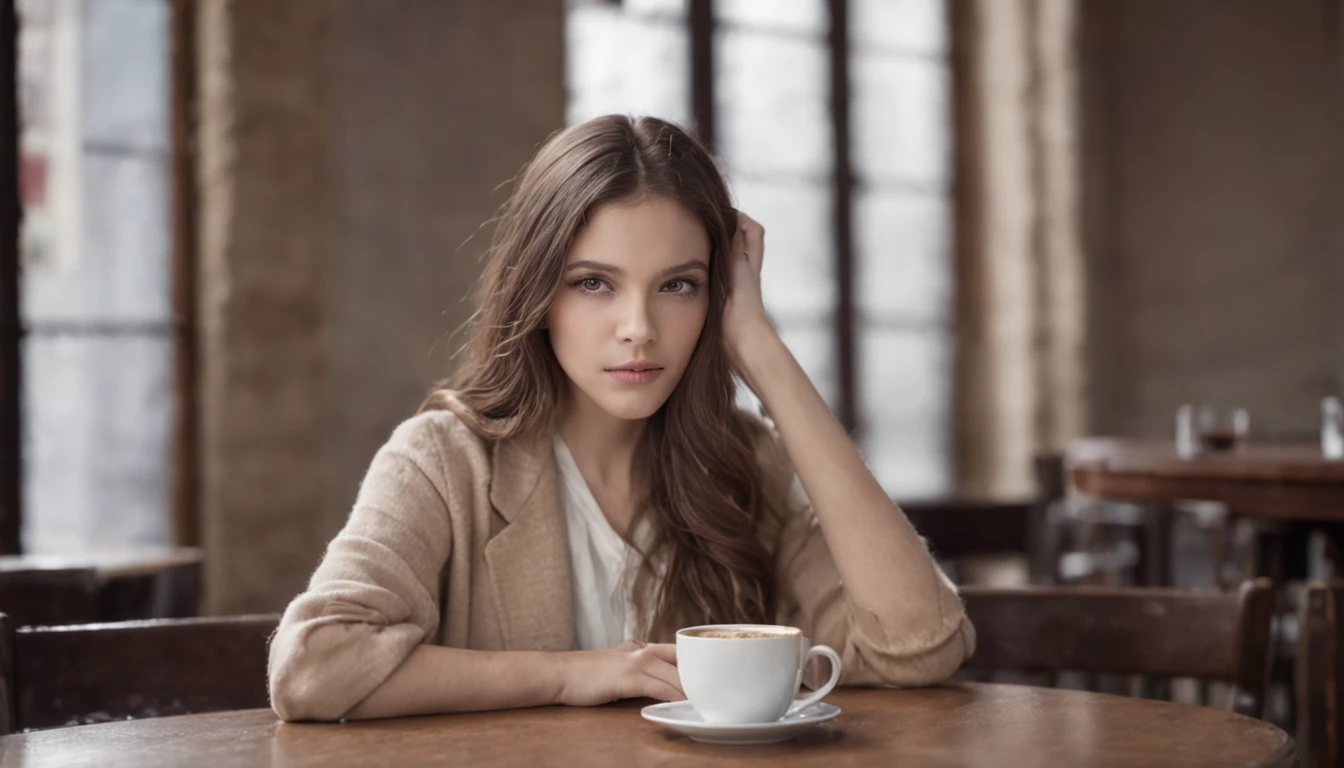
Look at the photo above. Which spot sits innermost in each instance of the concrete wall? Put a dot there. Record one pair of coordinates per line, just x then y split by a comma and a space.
348, 151
1215, 194
431, 107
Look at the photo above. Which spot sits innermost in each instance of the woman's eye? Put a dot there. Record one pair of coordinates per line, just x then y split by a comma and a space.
590, 284
681, 286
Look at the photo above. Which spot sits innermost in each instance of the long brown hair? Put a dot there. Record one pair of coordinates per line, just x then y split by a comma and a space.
702, 482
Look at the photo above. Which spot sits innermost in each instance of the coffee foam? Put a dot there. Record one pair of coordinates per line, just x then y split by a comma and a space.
743, 634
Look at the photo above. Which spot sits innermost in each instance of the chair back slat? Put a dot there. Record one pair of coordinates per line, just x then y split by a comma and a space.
93, 673
1157, 632
1320, 676
7, 697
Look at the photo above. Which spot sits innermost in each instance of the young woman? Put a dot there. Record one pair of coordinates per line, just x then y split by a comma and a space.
584, 485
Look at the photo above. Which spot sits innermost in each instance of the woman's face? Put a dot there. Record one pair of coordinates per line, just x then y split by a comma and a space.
631, 305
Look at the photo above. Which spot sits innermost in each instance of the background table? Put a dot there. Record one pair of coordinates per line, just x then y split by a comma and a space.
1292, 489
1282, 482
141, 583
966, 725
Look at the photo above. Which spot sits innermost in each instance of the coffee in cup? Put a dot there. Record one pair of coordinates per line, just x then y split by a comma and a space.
748, 673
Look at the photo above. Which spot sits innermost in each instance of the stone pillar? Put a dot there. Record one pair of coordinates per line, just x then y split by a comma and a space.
1020, 379
350, 155
261, 318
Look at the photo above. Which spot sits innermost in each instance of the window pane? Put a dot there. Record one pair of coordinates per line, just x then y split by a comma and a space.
905, 398
123, 269
771, 98
624, 64
95, 452
808, 17
675, 8
813, 345
903, 264
799, 272
900, 120
125, 84
907, 26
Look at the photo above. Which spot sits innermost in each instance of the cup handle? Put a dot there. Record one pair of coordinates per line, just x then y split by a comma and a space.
820, 693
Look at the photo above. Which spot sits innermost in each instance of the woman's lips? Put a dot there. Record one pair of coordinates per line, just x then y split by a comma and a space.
626, 376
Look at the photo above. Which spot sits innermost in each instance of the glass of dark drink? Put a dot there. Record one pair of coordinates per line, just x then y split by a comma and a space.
1211, 429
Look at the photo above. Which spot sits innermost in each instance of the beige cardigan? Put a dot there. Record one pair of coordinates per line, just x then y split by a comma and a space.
457, 541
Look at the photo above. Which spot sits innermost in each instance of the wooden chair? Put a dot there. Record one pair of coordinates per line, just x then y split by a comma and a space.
1157, 632
1320, 676
55, 676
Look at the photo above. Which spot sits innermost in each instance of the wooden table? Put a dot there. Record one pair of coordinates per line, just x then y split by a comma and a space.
113, 564
139, 583
1281, 482
961, 725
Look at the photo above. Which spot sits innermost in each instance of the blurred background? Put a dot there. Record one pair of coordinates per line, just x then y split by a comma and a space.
248, 230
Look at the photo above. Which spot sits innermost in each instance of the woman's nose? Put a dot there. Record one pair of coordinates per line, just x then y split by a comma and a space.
636, 325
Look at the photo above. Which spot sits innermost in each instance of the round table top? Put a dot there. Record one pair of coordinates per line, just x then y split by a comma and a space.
965, 725
1287, 481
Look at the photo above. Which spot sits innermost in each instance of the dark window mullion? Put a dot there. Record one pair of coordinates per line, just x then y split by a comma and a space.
185, 506
842, 215
11, 495
701, 21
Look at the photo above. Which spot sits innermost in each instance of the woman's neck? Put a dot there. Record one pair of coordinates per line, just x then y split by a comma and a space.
604, 446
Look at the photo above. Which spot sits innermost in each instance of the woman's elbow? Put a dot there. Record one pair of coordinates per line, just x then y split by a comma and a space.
915, 667
300, 682
943, 661
290, 705
322, 670
298, 697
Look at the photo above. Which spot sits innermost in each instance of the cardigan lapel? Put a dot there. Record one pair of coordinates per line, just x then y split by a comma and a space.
528, 561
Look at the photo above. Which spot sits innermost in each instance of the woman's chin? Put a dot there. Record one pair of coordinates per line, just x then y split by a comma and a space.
632, 406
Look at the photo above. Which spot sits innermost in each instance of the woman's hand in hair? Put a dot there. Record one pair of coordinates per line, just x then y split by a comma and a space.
744, 317
629, 670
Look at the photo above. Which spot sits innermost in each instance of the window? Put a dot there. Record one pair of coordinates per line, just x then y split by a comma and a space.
96, 354
775, 136
902, 156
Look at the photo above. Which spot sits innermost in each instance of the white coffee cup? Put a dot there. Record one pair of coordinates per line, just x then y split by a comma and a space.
748, 673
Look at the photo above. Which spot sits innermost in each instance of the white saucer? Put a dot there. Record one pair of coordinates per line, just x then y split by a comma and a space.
681, 716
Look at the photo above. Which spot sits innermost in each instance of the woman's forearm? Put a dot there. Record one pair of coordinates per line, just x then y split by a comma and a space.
434, 679
872, 543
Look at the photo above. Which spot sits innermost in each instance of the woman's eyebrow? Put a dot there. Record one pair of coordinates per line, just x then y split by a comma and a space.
686, 265
594, 265
598, 266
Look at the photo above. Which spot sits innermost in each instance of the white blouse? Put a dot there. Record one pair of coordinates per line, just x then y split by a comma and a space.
602, 564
